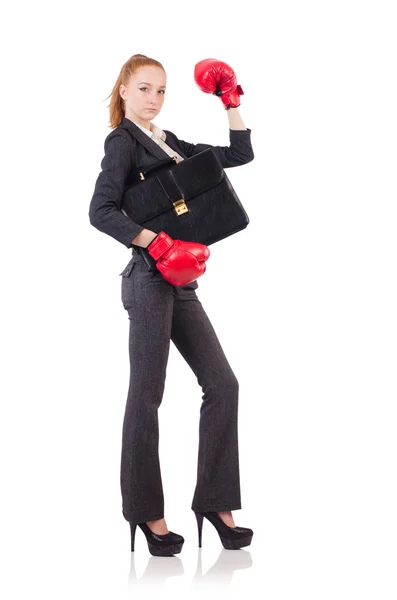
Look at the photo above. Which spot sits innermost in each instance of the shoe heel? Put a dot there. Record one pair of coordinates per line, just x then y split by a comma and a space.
133, 529
232, 538
199, 527
159, 545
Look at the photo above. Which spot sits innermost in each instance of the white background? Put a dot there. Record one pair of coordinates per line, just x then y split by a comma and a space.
303, 301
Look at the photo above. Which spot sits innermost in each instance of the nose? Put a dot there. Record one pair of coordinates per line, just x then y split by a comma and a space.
153, 98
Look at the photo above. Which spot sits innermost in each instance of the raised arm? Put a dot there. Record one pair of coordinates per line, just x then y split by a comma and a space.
239, 152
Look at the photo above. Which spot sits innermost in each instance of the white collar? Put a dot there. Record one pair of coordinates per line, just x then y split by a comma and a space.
154, 131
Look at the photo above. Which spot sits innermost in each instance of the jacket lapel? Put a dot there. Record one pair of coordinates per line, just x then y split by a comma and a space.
147, 141
170, 142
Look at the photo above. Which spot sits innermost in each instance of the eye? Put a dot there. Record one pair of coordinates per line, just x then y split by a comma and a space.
145, 88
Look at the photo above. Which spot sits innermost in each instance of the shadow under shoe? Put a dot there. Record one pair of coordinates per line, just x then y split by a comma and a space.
159, 545
232, 538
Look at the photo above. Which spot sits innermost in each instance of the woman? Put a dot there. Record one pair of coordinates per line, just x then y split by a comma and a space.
160, 311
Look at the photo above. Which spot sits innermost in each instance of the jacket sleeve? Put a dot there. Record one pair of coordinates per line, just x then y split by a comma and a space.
105, 211
239, 152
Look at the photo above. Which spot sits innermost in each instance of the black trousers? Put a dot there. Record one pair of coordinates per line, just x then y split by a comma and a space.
158, 313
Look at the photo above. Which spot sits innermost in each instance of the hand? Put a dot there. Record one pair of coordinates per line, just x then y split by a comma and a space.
216, 77
179, 262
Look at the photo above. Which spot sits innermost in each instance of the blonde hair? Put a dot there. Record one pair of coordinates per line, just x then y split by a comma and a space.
117, 104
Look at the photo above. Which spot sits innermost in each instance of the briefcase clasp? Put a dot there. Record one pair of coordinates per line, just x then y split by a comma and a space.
180, 207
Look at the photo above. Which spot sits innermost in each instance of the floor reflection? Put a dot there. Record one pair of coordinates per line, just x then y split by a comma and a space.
160, 568
221, 572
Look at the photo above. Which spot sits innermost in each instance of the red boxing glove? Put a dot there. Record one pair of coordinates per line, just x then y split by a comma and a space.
179, 262
216, 77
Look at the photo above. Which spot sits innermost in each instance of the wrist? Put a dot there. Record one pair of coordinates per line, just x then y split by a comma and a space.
144, 238
155, 236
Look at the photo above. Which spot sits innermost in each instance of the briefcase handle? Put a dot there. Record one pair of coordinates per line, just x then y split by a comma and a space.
158, 165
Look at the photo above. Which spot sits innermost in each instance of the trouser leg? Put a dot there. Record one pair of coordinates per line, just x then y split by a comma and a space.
218, 480
149, 305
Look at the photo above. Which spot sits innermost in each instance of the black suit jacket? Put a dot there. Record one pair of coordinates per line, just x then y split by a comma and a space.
125, 156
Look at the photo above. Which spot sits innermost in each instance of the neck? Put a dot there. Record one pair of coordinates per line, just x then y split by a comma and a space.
142, 122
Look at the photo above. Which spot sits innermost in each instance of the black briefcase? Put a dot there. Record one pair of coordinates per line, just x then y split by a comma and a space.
192, 200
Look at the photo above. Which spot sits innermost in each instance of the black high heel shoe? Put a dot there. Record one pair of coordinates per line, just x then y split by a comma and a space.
232, 538
159, 545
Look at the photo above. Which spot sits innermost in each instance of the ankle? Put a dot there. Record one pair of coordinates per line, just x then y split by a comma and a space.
159, 526
227, 517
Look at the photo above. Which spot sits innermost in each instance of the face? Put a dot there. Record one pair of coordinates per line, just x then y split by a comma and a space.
145, 90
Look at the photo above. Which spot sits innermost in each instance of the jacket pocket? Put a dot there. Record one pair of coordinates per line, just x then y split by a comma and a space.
126, 272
